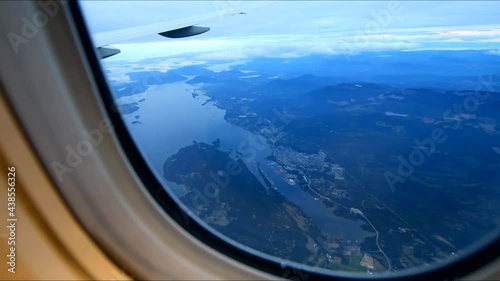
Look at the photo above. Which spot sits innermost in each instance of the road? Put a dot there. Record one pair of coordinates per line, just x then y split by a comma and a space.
389, 265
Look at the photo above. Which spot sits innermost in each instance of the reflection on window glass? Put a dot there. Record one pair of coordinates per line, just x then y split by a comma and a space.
351, 136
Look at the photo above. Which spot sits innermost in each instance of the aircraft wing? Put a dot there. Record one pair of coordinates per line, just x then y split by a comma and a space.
173, 29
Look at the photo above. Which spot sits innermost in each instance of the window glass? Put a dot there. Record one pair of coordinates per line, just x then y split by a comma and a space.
348, 136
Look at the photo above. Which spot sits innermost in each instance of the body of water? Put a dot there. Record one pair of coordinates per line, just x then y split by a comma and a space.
171, 118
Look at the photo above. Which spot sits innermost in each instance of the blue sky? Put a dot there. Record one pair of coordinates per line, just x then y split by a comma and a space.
297, 28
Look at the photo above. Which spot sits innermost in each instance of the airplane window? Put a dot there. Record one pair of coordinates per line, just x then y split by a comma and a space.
344, 137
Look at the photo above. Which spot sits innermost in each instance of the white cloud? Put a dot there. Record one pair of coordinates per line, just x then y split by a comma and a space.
298, 28
493, 52
296, 45
224, 66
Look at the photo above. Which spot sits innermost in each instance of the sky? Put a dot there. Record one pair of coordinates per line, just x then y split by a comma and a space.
298, 28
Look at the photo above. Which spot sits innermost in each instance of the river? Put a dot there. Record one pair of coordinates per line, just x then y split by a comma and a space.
171, 118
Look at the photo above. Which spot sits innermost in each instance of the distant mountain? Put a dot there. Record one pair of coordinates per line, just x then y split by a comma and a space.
444, 63
229, 74
380, 97
203, 79
192, 70
141, 80
395, 65
231, 78
121, 89
301, 84
156, 77
126, 108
